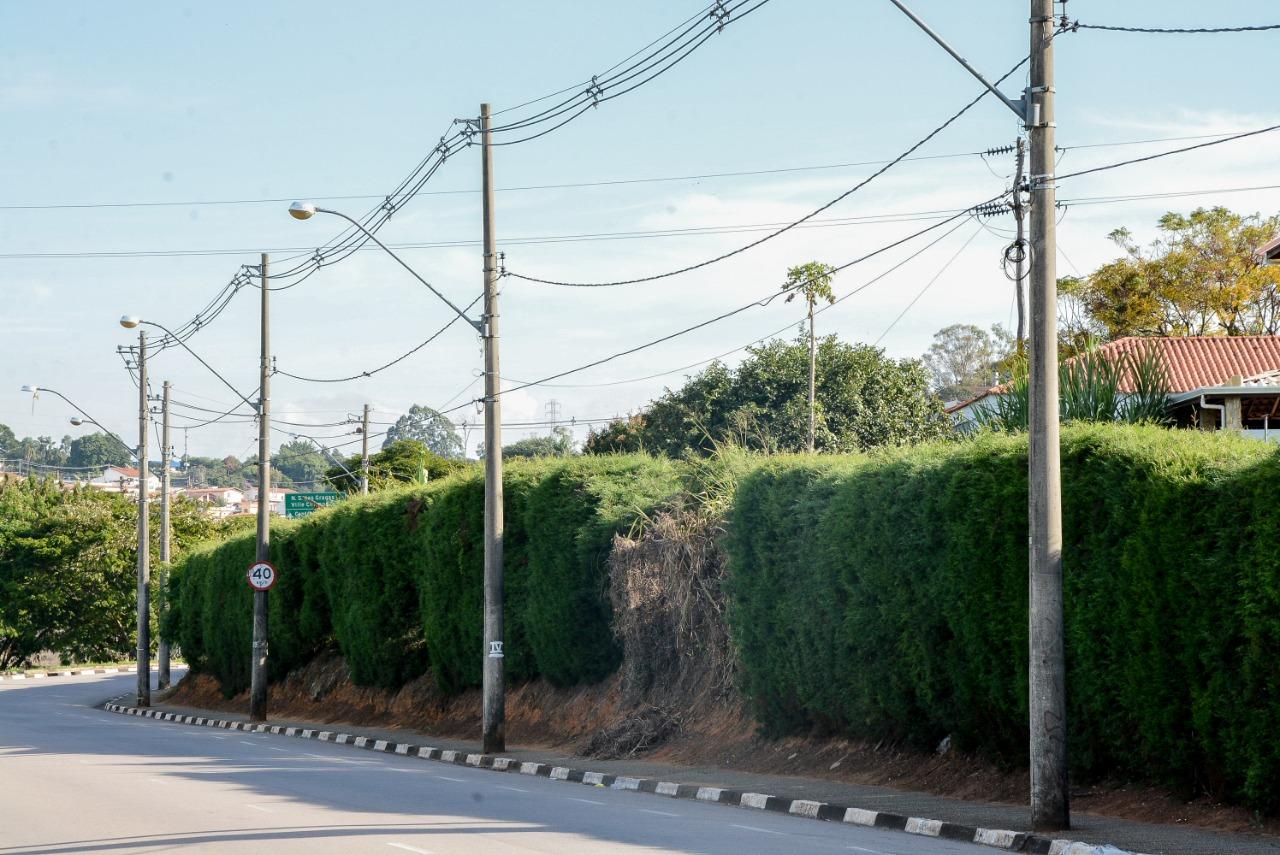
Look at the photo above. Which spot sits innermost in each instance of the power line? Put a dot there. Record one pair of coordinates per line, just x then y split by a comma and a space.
1076, 25
372, 371
1168, 153
613, 182
764, 301
766, 336
882, 170
928, 285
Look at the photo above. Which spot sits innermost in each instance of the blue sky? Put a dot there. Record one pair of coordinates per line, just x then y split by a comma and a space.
230, 101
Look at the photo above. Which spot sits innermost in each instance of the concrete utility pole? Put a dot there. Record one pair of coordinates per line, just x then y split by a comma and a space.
494, 684
1047, 677
258, 675
813, 370
162, 651
1020, 254
364, 453
1049, 795
144, 534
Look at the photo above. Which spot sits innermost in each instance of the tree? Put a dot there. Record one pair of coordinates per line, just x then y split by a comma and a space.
813, 282
405, 461
96, 449
428, 427
1201, 276
300, 461
559, 444
7, 440
864, 400
620, 436
964, 360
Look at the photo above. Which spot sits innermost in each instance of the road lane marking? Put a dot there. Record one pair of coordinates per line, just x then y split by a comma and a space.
585, 801
215, 736
872, 851
158, 781
406, 847
247, 742
754, 828
447, 778
659, 812
512, 789
282, 750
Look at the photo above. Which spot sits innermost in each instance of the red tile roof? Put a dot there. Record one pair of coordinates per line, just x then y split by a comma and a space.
1193, 362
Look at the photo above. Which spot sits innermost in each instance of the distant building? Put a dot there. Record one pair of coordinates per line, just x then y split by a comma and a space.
1215, 382
123, 479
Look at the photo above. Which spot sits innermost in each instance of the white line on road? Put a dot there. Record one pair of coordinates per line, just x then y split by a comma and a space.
512, 789
659, 812
215, 736
753, 828
585, 801
158, 781
247, 742
406, 847
447, 778
872, 851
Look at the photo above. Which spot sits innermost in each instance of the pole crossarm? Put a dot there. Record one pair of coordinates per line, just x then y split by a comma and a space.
1018, 107
478, 326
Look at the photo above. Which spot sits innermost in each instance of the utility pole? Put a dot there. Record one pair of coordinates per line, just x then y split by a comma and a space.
162, 652
1020, 253
1049, 795
144, 534
258, 675
494, 729
813, 362
364, 453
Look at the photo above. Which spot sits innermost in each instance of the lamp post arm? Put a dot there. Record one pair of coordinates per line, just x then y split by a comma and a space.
133, 452
1018, 107
476, 325
200, 359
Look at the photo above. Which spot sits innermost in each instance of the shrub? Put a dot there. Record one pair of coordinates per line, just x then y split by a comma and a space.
571, 517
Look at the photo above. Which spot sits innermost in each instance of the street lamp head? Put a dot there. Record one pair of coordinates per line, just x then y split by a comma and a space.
77, 421
129, 321
302, 210
31, 388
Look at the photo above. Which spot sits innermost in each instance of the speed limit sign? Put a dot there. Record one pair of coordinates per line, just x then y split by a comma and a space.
261, 576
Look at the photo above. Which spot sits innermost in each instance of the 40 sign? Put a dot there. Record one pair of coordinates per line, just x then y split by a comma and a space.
261, 576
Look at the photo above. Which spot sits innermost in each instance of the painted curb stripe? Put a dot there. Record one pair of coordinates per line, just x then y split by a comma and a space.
1013, 841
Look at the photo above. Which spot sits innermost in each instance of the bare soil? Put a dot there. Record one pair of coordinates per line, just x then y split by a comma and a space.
709, 730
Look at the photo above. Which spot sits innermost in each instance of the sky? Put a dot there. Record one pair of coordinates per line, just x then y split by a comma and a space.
209, 108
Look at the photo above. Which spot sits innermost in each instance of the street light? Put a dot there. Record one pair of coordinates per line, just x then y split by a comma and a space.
144, 563
494, 692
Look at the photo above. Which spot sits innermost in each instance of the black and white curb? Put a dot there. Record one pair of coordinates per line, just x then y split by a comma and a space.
68, 672
1011, 841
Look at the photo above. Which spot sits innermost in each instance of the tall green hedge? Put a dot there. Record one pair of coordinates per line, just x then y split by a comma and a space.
887, 598
394, 580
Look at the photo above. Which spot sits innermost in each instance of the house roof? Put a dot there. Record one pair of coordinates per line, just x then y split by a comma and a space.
1193, 362
1270, 251
127, 471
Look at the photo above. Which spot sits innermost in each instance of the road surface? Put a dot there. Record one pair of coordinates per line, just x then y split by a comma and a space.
74, 779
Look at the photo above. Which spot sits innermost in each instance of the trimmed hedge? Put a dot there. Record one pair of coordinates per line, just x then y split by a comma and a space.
886, 598
395, 580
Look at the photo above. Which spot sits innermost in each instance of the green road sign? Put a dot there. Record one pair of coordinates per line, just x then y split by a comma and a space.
301, 504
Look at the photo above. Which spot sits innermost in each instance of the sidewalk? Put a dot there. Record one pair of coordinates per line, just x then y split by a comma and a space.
1089, 828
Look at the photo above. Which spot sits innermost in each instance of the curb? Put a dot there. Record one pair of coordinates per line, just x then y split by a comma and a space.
72, 672
1010, 841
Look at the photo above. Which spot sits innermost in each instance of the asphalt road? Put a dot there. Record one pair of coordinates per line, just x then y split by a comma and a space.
75, 779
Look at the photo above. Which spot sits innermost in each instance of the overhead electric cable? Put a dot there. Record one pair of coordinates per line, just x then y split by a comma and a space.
790, 226
1076, 25
372, 371
1167, 153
